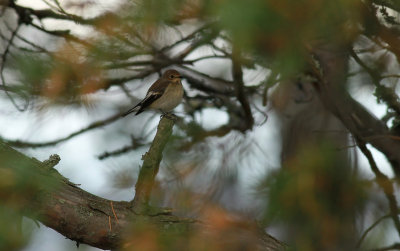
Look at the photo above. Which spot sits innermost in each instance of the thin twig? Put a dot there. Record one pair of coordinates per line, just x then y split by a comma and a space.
127, 64
93, 125
39, 48
64, 34
192, 61
383, 92
2, 66
370, 228
135, 145
119, 81
391, 76
384, 182
187, 38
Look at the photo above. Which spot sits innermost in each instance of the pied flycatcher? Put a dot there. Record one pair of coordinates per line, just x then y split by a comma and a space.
164, 95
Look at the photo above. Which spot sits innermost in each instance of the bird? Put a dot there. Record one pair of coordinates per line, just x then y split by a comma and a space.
163, 95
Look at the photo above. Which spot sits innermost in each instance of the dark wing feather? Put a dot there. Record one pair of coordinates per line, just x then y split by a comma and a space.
154, 92
147, 101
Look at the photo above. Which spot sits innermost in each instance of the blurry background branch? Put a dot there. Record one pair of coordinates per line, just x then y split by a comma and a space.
354, 116
135, 144
94, 125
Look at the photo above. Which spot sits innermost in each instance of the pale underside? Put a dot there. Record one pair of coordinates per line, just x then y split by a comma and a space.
170, 99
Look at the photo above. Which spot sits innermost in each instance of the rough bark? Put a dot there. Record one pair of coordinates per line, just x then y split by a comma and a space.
66, 208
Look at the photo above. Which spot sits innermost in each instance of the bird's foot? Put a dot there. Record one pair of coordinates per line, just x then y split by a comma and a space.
170, 116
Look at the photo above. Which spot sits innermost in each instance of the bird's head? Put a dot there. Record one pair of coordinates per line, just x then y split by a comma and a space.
172, 75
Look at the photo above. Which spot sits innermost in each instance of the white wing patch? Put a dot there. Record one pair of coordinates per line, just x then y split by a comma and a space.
151, 93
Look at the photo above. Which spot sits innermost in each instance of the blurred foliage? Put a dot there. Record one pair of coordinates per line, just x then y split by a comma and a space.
314, 199
223, 231
11, 235
20, 184
65, 77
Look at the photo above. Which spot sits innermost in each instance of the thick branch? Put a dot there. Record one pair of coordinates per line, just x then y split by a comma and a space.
330, 72
71, 211
206, 83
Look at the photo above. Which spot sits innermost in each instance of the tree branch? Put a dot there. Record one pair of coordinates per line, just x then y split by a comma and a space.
329, 69
151, 163
135, 144
382, 92
370, 228
71, 211
384, 182
2, 68
239, 87
93, 125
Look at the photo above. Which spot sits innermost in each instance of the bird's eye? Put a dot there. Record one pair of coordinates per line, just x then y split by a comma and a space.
171, 76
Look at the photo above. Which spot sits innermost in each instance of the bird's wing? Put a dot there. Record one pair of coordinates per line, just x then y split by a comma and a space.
154, 93
159, 86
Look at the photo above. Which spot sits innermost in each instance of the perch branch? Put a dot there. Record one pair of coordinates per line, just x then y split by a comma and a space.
151, 163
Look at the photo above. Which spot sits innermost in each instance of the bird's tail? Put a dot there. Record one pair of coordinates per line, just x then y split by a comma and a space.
141, 109
132, 110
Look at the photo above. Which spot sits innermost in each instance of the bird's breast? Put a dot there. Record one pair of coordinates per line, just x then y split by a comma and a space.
170, 99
